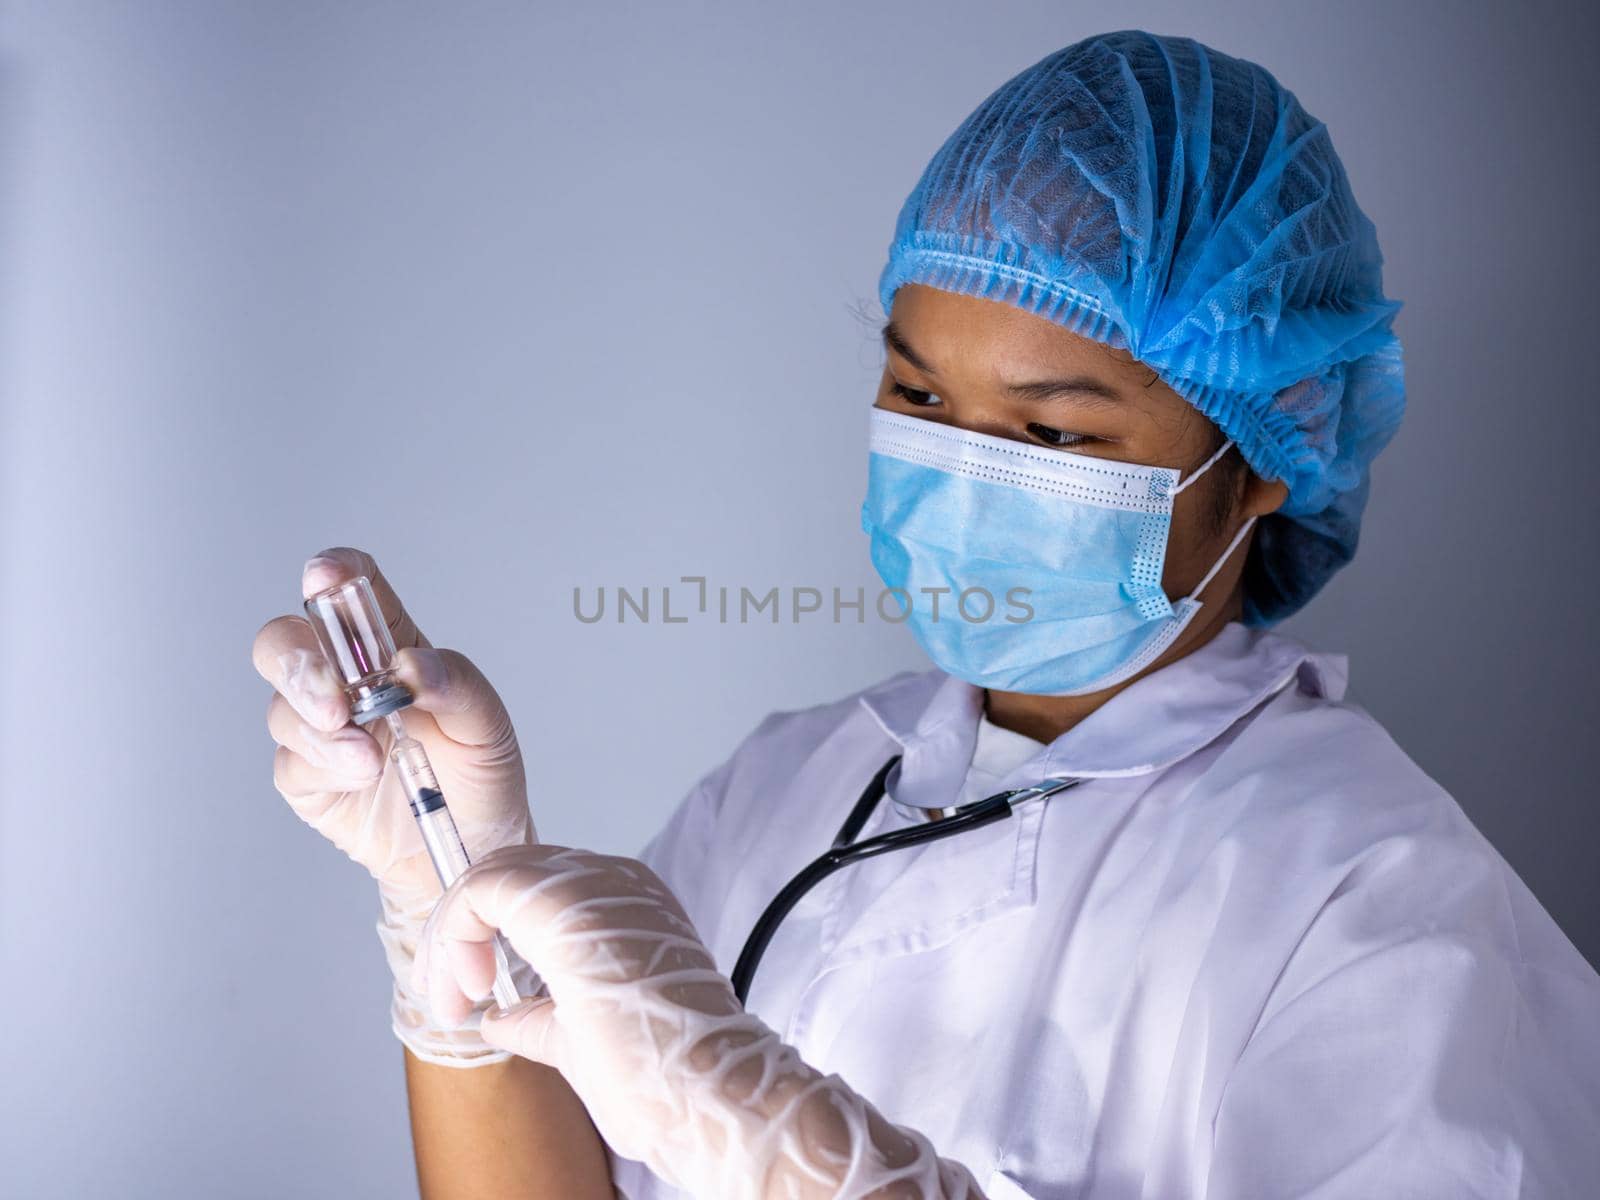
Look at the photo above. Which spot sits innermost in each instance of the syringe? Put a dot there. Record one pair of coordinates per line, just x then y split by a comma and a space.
355, 639
439, 833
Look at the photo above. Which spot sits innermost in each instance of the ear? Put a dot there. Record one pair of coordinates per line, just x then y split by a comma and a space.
1262, 496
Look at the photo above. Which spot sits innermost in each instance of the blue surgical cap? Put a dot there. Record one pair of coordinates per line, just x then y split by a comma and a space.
1160, 197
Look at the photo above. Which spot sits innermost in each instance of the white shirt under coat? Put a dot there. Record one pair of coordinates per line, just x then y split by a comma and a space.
1258, 954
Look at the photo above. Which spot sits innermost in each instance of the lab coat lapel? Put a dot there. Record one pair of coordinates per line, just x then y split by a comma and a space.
934, 719
923, 897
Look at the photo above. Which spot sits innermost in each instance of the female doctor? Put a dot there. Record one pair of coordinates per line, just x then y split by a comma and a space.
1139, 362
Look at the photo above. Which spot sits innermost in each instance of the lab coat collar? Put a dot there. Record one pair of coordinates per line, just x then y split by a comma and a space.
1154, 722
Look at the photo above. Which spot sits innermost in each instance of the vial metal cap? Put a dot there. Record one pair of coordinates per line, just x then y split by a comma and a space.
356, 642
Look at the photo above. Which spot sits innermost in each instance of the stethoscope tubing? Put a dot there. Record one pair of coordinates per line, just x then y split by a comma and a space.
845, 850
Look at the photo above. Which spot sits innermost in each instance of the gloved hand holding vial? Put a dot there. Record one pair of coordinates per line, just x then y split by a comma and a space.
355, 640
403, 756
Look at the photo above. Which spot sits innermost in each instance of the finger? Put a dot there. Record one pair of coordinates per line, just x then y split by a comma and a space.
529, 1030
308, 788
462, 702
449, 1005
432, 977
473, 966
340, 564
453, 973
508, 890
349, 752
456, 969
286, 655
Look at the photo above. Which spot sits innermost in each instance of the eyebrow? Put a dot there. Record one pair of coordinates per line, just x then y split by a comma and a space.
1081, 386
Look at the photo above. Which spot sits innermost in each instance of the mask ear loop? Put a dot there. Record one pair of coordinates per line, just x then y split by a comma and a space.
1217, 566
1237, 537
1205, 466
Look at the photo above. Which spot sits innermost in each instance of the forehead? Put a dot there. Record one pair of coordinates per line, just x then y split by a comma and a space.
974, 337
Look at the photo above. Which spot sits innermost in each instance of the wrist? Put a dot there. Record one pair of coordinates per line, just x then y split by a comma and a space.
399, 928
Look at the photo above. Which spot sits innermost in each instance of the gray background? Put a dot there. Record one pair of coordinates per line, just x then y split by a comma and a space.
523, 296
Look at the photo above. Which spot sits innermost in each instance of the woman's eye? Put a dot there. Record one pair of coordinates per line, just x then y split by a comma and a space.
913, 396
1056, 437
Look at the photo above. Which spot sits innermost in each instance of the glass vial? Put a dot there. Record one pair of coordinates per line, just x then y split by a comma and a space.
351, 630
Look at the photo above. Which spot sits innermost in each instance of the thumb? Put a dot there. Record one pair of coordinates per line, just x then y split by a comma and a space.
339, 564
447, 686
531, 1030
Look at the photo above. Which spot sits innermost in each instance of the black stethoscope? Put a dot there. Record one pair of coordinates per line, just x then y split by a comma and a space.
846, 850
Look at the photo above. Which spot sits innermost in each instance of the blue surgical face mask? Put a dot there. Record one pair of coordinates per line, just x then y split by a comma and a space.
1024, 568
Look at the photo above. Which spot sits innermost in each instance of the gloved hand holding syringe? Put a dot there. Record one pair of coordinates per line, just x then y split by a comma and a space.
355, 639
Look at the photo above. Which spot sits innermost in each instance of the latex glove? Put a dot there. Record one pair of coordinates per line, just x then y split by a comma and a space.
652, 1038
336, 777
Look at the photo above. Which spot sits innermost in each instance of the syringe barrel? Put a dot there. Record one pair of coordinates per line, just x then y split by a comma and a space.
442, 839
414, 771
444, 844
422, 791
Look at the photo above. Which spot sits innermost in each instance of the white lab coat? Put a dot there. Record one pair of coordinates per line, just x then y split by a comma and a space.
1259, 954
